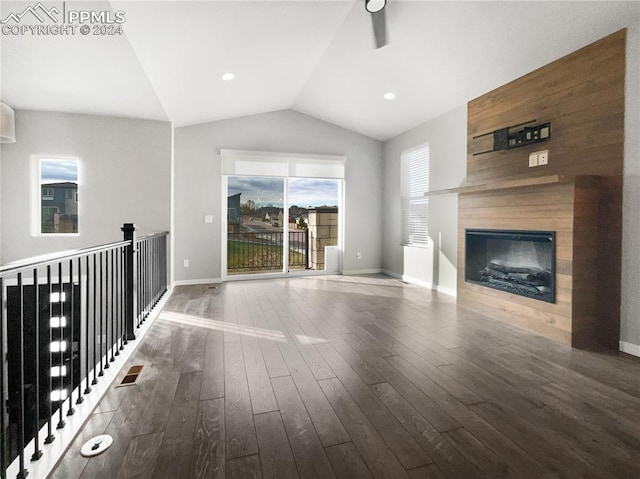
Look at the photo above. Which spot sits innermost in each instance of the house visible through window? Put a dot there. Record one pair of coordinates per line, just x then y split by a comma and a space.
415, 206
58, 196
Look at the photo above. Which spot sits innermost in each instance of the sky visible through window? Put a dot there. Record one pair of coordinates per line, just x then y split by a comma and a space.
303, 192
58, 171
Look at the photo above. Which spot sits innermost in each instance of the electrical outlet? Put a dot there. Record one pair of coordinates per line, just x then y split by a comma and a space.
358, 255
185, 263
543, 157
533, 159
208, 218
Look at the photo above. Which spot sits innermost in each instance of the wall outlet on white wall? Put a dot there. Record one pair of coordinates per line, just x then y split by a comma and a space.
358, 255
185, 263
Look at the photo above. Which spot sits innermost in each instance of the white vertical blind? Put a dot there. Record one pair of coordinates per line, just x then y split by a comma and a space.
415, 206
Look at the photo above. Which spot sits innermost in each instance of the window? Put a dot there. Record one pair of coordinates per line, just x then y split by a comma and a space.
57, 211
415, 206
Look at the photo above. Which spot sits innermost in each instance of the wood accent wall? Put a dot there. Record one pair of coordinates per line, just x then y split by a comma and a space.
582, 95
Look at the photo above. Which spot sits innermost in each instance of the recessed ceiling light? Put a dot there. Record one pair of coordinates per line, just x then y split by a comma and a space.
389, 96
228, 76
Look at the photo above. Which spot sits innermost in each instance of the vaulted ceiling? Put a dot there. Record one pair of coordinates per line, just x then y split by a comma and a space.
316, 57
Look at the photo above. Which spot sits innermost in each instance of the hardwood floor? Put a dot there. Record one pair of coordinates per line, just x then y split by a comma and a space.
358, 377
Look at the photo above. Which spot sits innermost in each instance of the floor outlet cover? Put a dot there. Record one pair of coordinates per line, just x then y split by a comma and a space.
96, 445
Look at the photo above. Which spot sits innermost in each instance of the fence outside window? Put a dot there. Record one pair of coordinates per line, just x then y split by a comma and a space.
264, 251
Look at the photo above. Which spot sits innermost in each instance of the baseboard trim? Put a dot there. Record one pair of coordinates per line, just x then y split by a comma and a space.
419, 282
630, 348
393, 274
362, 271
189, 282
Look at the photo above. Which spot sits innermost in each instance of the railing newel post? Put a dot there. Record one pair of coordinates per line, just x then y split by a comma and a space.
130, 283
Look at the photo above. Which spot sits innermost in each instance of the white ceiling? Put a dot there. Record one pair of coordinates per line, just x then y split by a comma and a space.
316, 57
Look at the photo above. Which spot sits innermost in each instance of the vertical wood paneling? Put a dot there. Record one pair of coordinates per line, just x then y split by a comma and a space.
582, 95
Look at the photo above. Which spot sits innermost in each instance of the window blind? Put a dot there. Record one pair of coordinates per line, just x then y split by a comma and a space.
415, 206
257, 163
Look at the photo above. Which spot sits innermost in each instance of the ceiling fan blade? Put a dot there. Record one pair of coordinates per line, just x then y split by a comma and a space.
379, 22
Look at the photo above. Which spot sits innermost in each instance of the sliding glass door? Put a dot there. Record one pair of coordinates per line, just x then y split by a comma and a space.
283, 212
313, 223
279, 225
255, 224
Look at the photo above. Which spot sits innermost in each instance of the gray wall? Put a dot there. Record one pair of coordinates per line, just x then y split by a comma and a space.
630, 326
435, 265
125, 173
198, 180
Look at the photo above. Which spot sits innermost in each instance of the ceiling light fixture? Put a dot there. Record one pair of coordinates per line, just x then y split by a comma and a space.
7, 124
389, 96
228, 76
374, 6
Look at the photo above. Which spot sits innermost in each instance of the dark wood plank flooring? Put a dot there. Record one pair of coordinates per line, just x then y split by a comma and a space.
358, 377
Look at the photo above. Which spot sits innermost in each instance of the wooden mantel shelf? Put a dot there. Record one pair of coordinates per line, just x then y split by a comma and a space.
519, 183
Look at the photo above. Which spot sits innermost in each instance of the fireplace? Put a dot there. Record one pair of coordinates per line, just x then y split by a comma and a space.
518, 262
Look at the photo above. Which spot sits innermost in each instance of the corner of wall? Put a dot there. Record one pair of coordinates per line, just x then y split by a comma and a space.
630, 304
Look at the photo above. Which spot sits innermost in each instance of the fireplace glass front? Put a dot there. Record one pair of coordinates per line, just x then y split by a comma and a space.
518, 262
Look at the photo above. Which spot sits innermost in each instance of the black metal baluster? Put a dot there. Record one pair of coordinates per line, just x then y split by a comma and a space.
3, 425
106, 313
140, 286
22, 471
148, 272
37, 453
149, 276
143, 281
154, 258
125, 293
113, 308
71, 411
95, 300
118, 301
61, 422
81, 352
87, 390
152, 279
50, 436
101, 296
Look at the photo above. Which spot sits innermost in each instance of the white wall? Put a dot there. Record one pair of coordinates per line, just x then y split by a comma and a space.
434, 266
630, 324
198, 182
124, 177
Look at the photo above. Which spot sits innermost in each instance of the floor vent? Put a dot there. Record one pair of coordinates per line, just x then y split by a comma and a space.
131, 377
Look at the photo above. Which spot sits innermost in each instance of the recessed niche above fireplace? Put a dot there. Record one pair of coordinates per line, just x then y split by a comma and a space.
517, 262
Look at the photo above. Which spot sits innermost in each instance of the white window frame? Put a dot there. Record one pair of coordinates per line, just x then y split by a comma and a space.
286, 166
36, 192
415, 164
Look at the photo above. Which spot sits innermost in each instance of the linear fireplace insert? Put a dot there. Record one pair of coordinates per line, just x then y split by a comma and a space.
518, 262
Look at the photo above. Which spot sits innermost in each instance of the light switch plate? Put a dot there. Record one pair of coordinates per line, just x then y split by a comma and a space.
533, 160
208, 218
